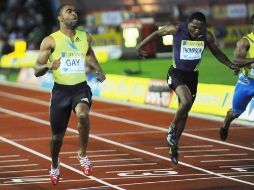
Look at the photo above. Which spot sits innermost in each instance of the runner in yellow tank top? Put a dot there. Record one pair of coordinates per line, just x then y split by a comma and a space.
64, 52
244, 89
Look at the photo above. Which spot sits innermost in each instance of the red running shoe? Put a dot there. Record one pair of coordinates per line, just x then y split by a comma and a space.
85, 164
54, 175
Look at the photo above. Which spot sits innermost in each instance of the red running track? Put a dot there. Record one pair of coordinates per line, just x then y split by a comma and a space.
127, 148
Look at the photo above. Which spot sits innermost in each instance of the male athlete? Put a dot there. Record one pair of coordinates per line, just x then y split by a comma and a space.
244, 89
190, 40
64, 52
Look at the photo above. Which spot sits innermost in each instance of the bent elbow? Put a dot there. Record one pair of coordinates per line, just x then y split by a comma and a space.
36, 73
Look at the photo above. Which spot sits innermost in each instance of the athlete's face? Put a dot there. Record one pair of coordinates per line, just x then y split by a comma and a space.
196, 28
69, 16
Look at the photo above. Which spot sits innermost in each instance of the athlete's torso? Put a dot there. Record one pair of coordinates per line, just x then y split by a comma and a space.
249, 72
73, 57
187, 53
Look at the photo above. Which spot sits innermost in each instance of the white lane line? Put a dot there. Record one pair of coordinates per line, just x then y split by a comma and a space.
211, 150
215, 155
24, 98
117, 160
62, 164
10, 156
233, 160
18, 160
113, 118
91, 188
128, 133
123, 146
124, 165
21, 177
102, 155
41, 138
20, 165
197, 146
157, 169
90, 151
173, 175
23, 171
41, 181
236, 166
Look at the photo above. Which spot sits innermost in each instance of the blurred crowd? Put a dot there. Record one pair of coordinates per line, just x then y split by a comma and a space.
22, 19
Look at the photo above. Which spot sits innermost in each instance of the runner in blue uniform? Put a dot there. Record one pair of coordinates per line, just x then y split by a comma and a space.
190, 40
244, 89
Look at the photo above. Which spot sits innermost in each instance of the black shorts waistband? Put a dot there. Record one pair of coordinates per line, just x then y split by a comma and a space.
181, 70
74, 86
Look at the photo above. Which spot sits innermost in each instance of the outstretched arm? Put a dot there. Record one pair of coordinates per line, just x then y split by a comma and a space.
242, 47
42, 65
220, 56
92, 60
163, 31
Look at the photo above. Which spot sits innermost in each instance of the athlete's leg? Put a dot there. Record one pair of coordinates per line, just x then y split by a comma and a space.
185, 103
56, 143
229, 118
241, 99
178, 124
60, 110
82, 113
59, 117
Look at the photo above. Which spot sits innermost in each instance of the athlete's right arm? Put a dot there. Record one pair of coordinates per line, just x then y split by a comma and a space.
163, 31
242, 47
42, 65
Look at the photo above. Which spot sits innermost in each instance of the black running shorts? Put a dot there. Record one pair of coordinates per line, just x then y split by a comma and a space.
64, 99
176, 77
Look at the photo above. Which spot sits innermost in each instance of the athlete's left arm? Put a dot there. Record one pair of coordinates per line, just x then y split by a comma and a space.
220, 56
92, 60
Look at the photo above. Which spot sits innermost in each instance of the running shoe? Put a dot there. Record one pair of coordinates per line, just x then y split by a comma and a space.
171, 138
55, 175
173, 149
174, 154
223, 133
85, 164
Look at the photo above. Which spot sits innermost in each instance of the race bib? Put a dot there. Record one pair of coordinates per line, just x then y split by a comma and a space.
72, 63
191, 50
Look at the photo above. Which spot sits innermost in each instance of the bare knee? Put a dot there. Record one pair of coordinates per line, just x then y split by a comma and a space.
83, 118
185, 105
232, 114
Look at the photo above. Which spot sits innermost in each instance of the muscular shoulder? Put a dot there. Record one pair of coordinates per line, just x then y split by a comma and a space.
168, 29
48, 43
243, 43
210, 37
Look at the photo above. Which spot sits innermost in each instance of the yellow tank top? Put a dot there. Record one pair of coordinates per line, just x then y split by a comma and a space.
73, 58
249, 72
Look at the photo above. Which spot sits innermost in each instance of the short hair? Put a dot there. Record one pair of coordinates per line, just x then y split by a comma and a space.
197, 16
252, 19
60, 9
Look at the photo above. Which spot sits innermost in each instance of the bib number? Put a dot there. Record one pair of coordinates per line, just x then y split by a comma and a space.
72, 65
191, 50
